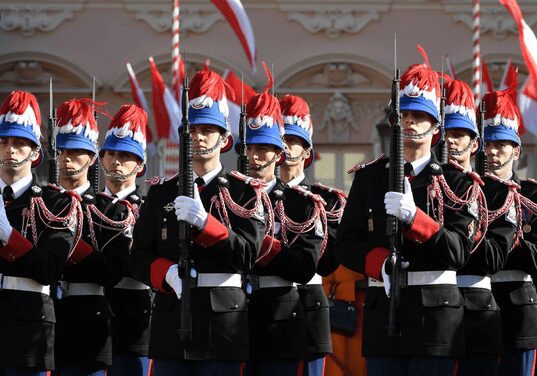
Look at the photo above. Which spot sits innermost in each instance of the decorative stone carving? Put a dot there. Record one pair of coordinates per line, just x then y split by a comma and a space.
334, 22
494, 19
29, 18
159, 17
26, 73
339, 75
338, 118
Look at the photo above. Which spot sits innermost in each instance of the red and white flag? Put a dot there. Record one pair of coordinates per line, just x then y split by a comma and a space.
487, 82
527, 100
139, 99
236, 16
239, 88
508, 75
165, 108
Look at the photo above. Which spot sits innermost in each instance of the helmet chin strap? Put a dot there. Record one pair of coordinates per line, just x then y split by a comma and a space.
259, 168
221, 141
499, 167
32, 154
297, 158
122, 177
419, 136
458, 153
66, 173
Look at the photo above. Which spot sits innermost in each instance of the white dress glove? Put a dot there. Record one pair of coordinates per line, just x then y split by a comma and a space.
386, 279
172, 278
191, 210
5, 228
401, 205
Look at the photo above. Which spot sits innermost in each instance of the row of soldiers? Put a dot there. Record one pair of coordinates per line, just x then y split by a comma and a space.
257, 244
260, 243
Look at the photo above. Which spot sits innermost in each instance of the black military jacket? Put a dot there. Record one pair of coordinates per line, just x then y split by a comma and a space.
27, 319
84, 323
219, 314
131, 308
431, 317
280, 332
518, 300
482, 314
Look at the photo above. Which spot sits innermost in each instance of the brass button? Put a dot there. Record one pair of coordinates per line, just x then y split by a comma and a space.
43, 317
531, 300
98, 313
446, 302
294, 314
317, 304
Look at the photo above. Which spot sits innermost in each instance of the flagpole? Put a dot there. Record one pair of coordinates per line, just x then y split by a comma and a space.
176, 57
476, 52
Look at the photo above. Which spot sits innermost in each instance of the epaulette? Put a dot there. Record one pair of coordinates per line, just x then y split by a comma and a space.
37, 191
435, 169
532, 180
328, 189
159, 180
307, 193
472, 174
507, 182
252, 182
359, 166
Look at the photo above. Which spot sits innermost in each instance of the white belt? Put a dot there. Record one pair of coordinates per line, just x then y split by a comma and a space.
219, 280
473, 281
22, 284
131, 284
271, 281
81, 289
433, 277
511, 276
372, 282
316, 280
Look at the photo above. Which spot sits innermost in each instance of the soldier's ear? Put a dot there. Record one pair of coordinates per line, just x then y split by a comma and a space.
34, 154
516, 153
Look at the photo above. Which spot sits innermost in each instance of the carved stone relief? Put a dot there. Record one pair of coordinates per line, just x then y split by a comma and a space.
339, 118
339, 74
29, 18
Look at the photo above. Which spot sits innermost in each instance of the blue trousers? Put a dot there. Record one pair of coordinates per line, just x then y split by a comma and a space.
517, 363
22, 372
315, 367
276, 367
410, 366
129, 365
74, 370
484, 365
197, 368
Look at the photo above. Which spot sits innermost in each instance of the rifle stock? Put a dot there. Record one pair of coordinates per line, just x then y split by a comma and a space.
185, 188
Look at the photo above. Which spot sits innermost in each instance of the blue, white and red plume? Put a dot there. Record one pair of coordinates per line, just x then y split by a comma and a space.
420, 89
20, 117
502, 117
77, 128
208, 102
127, 131
265, 123
297, 120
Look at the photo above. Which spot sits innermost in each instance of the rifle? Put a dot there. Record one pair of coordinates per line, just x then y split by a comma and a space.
481, 157
185, 188
441, 148
395, 184
242, 160
52, 151
93, 170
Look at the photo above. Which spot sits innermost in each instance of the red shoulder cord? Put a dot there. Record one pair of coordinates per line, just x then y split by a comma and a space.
298, 228
39, 209
439, 187
223, 201
107, 223
359, 166
334, 213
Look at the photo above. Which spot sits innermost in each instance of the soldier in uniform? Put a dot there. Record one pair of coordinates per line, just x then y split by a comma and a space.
227, 230
123, 159
38, 226
84, 319
481, 315
289, 255
512, 287
299, 155
437, 238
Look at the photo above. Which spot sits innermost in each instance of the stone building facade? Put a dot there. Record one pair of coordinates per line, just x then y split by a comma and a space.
337, 54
